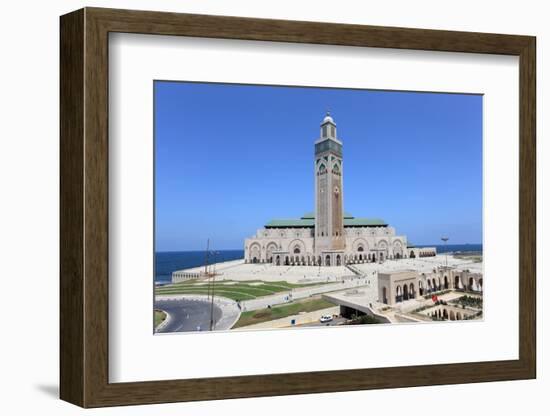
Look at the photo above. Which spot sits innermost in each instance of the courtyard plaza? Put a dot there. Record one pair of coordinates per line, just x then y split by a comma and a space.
240, 271
420, 265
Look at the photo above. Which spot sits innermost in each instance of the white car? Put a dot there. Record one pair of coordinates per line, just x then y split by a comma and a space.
325, 318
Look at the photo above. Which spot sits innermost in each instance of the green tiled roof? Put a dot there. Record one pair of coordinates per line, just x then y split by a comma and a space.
291, 223
362, 222
308, 220
311, 215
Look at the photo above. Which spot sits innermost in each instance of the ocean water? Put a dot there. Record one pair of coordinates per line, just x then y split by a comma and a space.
169, 261
454, 248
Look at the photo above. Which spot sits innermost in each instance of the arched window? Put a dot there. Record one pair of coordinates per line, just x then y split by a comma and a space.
297, 250
360, 249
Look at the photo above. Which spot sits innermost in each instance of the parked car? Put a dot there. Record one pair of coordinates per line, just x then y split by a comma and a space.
325, 318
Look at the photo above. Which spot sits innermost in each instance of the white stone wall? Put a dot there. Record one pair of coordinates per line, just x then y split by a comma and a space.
426, 283
295, 242
418, 252
362, 244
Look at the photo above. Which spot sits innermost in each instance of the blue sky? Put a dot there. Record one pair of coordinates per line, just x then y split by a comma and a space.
228, 158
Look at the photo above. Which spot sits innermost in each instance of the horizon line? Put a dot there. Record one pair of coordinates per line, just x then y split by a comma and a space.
241, 249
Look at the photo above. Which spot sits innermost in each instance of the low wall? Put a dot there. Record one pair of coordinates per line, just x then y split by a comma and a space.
301, 319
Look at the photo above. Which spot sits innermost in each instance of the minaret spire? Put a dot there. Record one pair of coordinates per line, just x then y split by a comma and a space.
329, 220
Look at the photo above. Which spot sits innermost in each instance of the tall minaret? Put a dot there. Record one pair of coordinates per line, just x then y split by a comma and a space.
329, 212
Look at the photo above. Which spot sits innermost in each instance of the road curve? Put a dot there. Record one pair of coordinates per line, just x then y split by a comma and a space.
192, 313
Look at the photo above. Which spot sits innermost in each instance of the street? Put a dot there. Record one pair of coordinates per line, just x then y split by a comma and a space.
187, 314
334, 322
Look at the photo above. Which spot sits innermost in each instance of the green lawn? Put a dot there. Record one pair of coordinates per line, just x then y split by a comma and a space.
276, 312
236, 290
160, 316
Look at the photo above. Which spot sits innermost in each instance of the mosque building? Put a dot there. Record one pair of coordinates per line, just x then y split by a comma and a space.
329, 236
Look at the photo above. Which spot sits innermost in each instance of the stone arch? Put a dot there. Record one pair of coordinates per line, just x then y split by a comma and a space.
383, 245
327, 260
338, 260
360, 243
255, 253
411, 291
471, 284
420, 288
445, 282
383, 250
397, 249
296, 244
412, 255
405, 292
457, 282
398, 294
278, 260
384, 295
271, 247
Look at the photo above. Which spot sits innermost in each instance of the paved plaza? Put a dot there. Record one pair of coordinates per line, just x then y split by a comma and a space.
239, 270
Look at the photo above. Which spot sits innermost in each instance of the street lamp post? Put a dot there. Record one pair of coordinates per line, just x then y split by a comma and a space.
445, 239
213, 283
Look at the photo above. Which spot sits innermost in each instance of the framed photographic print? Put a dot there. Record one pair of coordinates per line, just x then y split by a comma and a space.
307, 207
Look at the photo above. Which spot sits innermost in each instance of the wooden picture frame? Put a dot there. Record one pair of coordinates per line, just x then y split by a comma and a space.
84, 207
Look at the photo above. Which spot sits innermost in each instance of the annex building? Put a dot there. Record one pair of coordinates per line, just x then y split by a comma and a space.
329, 236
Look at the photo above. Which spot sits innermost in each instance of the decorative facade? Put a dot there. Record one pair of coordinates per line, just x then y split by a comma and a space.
329, 236
400, 286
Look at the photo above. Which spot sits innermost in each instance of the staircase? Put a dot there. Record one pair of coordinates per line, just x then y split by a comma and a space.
354, 270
